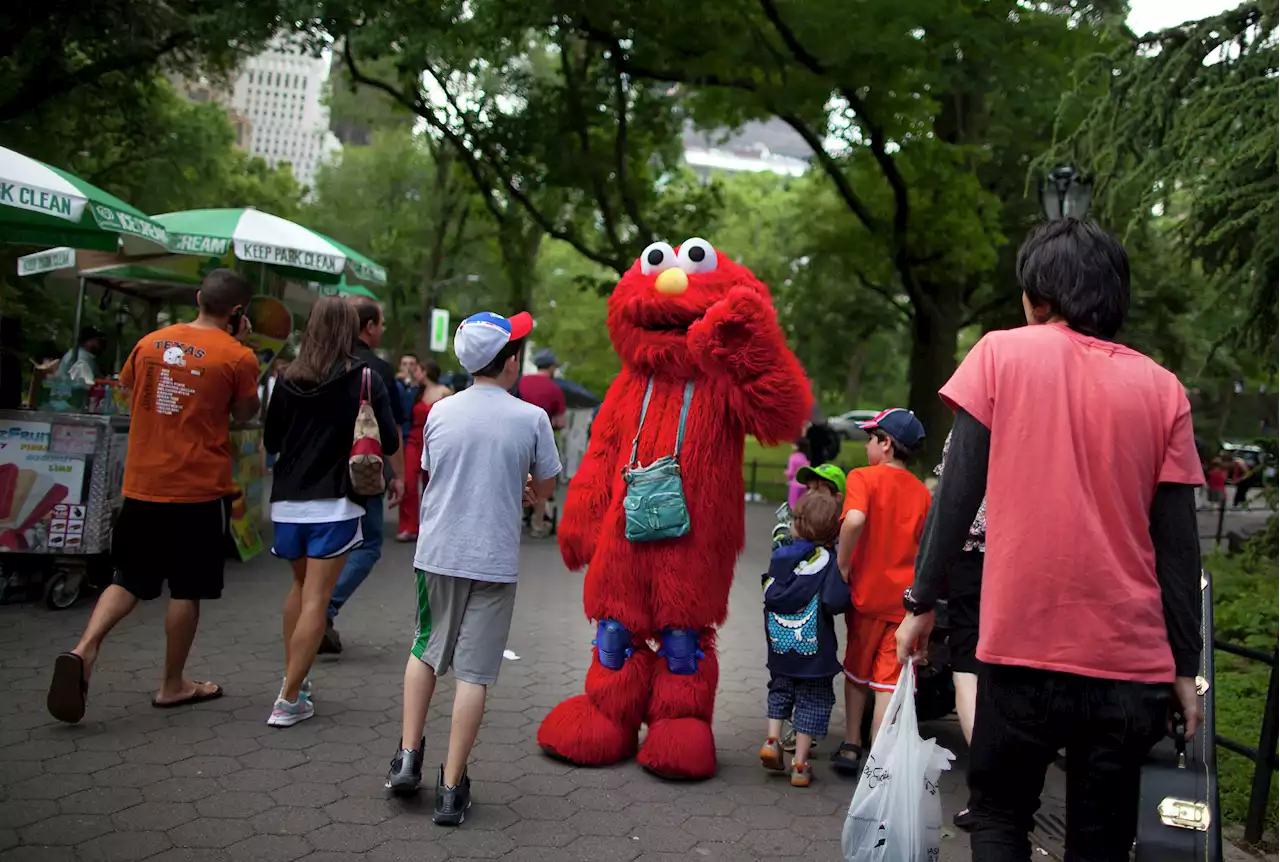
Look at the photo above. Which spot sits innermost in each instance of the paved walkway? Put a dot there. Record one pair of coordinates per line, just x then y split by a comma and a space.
213, 783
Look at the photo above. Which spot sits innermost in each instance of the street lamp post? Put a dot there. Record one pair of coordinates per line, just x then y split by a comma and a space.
1065, 193
433, 292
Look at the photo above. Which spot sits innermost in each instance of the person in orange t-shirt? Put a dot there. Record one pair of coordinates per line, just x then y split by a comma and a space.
186, 382
884, 513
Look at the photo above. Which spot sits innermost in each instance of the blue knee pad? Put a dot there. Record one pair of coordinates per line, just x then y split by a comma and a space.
613, 644
680, 649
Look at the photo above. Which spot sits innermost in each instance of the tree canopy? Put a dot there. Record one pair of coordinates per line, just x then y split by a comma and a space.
520, 153
923, 126
1183, 121
51, 50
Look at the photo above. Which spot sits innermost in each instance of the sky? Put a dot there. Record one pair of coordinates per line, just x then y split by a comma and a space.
1148, 15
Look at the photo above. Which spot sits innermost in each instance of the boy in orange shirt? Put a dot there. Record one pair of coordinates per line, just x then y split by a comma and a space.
884, 513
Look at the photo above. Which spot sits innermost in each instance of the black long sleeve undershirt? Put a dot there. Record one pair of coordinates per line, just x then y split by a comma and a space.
1174, 534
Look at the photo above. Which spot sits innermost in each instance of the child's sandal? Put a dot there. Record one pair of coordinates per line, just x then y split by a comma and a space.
847, 759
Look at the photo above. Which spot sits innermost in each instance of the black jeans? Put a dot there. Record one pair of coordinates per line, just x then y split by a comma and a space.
1024, 716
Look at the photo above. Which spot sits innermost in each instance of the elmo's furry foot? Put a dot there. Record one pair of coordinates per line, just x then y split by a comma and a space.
578, 732
679, 748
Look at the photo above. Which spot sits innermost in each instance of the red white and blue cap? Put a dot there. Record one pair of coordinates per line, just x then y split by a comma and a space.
482, 336
900, 424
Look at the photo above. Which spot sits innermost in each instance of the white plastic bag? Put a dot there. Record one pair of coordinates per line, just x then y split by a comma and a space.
896, 812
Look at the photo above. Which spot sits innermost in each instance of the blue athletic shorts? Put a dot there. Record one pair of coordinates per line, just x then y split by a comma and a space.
316, 541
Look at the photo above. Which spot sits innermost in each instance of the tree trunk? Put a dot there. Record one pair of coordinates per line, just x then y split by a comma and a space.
1224, 419
853, 379
934, 338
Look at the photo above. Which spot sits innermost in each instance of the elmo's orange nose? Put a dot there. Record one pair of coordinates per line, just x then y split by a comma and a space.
672, 282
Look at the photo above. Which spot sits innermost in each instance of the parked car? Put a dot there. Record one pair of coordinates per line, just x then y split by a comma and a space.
846, 424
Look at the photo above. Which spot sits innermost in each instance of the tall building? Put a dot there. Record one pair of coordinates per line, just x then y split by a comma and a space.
279, 92
203, 89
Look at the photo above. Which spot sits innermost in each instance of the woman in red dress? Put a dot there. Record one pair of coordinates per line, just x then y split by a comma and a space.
431, 390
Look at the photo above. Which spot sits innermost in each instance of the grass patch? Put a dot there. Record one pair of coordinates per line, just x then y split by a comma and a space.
767, 465
1243, 613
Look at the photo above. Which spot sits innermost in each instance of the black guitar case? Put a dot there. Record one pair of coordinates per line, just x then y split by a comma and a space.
1178, 815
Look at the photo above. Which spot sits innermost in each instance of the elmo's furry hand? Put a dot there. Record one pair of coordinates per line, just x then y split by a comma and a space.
736, 335
576, 534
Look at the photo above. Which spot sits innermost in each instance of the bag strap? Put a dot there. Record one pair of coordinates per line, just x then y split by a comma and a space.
644, 411
366, 387
684, 414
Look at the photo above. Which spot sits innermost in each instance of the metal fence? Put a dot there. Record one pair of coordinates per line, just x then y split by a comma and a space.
1263, 757
1221, 523
765, 478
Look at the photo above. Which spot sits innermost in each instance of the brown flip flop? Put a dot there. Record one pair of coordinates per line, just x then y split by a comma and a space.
68, 690
195, 698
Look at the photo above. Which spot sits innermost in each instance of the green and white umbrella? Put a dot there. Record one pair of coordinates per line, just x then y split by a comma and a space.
256, 237
360, 268
345, 287
42, 205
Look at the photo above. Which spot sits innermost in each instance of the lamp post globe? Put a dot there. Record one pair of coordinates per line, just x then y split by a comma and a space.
1065, 193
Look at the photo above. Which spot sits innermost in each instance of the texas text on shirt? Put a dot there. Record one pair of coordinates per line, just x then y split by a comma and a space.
1103, 425
183, 381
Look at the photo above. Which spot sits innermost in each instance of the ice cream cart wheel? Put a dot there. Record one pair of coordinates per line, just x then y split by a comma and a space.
62, 590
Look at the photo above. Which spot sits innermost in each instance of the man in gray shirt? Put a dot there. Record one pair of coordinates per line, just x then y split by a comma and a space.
485, 452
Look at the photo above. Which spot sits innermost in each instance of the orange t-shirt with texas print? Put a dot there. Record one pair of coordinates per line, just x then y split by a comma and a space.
884, 561
183, 381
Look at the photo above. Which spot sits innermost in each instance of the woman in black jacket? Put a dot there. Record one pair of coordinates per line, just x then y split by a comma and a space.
310, 428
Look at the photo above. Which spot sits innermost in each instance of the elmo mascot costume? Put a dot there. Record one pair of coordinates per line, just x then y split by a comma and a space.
678, 317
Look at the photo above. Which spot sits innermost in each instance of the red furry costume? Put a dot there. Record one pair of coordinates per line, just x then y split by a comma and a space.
675, 315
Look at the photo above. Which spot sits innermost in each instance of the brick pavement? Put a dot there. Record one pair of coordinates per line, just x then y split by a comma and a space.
213, 783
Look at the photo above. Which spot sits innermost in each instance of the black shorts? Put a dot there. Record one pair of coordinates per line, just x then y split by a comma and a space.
182, 543
964, 589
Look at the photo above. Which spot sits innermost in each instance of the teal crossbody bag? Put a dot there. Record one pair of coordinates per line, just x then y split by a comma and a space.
654, 503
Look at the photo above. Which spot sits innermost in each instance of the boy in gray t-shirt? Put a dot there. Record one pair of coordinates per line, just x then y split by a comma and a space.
484, 451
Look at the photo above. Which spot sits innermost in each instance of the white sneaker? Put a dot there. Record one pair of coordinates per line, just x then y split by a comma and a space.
305, 688
285, 714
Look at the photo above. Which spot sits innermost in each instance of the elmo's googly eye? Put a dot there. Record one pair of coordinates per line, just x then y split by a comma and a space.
657, 257
697, 255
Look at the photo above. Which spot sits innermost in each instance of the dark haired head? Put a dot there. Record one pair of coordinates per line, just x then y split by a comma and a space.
493, 370
368, 311
90, 333
1080, 272
222, 291
900, 453
430, 369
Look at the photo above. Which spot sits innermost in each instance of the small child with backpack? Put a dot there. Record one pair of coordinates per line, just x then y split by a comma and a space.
803, 591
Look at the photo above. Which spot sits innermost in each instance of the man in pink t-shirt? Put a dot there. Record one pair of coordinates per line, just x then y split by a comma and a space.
1090, 605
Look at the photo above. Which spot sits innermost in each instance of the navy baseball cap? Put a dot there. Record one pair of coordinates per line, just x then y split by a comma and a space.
900, 424
482, 336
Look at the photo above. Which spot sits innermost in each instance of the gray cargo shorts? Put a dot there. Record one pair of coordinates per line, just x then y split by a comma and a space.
468, 623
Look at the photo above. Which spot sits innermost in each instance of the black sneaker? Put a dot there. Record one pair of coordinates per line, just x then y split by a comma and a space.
452, 802
330, 644
406, 770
